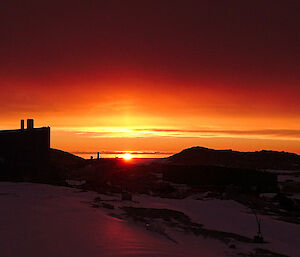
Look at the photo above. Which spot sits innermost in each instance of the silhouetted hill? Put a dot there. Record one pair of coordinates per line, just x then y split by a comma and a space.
55, 171
228, 158
60, 158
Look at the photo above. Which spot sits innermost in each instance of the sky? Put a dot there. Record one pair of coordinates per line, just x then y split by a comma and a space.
153, 76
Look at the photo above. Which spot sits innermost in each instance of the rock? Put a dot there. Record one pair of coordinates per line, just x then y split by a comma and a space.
108, 206
126, 196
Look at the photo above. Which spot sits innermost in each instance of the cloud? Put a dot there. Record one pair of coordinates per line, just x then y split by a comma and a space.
277, 133
264, 132
187, 133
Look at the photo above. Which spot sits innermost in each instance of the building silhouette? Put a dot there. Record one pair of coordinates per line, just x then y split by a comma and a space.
24, 149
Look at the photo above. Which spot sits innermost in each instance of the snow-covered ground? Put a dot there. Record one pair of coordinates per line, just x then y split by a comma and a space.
48, 221
230, 216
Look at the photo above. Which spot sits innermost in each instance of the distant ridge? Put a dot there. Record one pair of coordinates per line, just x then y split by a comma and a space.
227, 158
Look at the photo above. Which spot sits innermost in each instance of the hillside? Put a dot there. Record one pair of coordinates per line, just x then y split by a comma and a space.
60, 158
228, 158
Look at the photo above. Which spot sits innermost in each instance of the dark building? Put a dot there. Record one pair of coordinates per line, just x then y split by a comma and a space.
24, 149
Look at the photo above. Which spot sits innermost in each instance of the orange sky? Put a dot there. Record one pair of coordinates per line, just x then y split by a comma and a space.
152, 76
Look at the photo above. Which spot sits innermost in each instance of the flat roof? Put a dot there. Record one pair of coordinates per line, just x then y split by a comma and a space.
21, 130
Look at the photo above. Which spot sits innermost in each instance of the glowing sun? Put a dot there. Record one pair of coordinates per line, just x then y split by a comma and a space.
127, 156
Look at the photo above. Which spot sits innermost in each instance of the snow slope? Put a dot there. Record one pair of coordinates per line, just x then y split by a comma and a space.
48, 221
229, 216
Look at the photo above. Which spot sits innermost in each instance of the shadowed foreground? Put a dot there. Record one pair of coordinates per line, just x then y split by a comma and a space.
43, 220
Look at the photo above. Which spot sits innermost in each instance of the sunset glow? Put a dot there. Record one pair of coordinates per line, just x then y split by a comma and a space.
149, 128
115, 77
127, 156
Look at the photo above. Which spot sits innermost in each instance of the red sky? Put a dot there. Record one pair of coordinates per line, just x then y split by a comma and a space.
153, 75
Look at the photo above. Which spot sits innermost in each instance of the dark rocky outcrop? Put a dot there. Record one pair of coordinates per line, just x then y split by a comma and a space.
247, 179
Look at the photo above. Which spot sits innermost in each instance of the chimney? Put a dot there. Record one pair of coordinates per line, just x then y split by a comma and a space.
22, 124
29, 123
